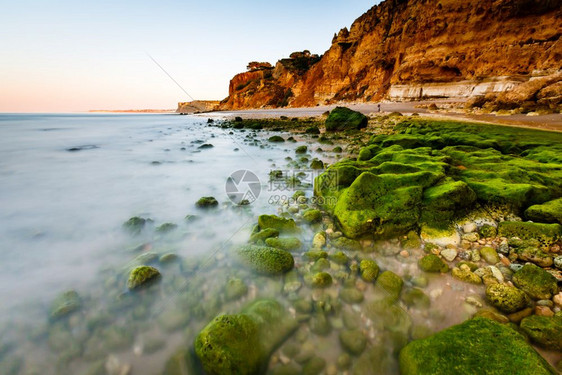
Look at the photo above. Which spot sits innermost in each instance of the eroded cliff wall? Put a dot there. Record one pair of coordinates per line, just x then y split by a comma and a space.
405, 49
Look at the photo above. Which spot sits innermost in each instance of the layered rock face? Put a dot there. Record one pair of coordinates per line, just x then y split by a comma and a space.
197, 106
405, 49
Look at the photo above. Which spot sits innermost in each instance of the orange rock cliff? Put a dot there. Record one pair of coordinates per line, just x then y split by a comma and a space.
410, 49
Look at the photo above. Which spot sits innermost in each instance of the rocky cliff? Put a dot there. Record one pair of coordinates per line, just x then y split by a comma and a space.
197, 106
407, 49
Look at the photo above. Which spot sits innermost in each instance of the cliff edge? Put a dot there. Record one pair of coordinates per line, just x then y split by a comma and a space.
411, 49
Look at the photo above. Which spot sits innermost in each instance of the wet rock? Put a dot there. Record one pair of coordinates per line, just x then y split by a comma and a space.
314, 366
312, 216
135, 225
351, 295
166, 228
543, 311
536, 282
168, 258
490, 255
369, 270
276, 139
235, 289
288, 244
242, 343
432, 263
348, 244
449, 254
353, 341
281, 224
470, 237
412, 241
544, 331
415, 298
391, 283
321, 280
266, 260
506, 298
493, 314
494, 348
320, 265
339, 258
546, 234
320, 325
207, 203
488, 231
319, 240
142, 276
469, 227
342, 118
315, 255
518, 316
466, 275
65, 304
317, 164
558, 262
301, 150
261, 236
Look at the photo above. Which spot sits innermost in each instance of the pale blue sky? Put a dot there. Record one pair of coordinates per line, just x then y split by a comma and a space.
79, 55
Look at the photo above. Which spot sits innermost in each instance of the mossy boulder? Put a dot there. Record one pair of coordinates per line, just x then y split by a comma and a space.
142, 276
546, 234
433, 263
391, 283
506, 298
490, 255
536, 282
207, 203
443, 202
65, 304
289, 244
242, 343
316, 164
369, 270
465, 274
266, 260
477, 346
412, 241
348, 244
281, 224
353, 341
301, 149
549, 212
263, 235
321, 280
341, 118
544, 331
312, 216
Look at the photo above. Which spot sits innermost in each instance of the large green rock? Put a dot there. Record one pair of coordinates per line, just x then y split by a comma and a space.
391, 283
546, 234
341, 118
536, 282
241, 344
544, 331
549, 212
477, 346
266, 260
433, 263
506, 298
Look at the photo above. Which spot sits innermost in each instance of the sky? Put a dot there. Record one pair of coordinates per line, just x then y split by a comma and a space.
72, 56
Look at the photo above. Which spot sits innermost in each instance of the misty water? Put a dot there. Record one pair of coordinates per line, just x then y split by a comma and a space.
69, 182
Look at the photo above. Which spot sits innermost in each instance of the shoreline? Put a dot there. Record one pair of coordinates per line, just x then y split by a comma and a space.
551, 122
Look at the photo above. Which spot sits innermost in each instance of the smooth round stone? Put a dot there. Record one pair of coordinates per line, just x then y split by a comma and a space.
469, 227
545, 302
558, 262
449, 254
471, 237
557, 299
543, 311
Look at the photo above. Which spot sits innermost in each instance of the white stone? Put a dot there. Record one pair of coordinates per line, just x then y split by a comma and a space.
449, 254
497, 273
469, 227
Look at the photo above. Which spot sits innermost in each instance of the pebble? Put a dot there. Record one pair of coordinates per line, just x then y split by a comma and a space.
470, 237
557, 299
404, 254
545, 302
474, 301
503, 248
476, 255
449, 254
505, 261
497, 273
558, 262
469, 227
543, 311
435, 293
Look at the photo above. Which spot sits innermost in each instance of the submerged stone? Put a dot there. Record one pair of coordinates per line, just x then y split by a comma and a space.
391, 283
65, 304
207, 202
142, 276
266, 260
263, 235
490, 255
493, 349
242, 343
289, 244
544, 331
432, 263
322, 280
235, 289
353, 341
312, 216
369, 270
281, 224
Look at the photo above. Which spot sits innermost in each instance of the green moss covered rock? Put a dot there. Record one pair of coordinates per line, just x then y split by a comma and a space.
312, 216
289, 244
369, 270
536, 282
549, 212
477, 346
134, 225
465, 274
546, 234
321, 280
391, 283
206, 203
266, 260
353, 341
263, 235
506, 298
341, 118
235, 289
351, 295
490, 255
276, 139
432, 263
544, 331
65, 304
281, 224
488, 231
242, 343
142, 276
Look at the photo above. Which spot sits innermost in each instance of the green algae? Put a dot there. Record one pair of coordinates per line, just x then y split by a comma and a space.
477, 346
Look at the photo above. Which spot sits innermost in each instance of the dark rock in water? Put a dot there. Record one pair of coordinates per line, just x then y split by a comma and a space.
65, 304
142, 276
477, 346
242, 343
207, 202
342, 118
135, 224
166, 228
205, 146
276, 139
544, 331
82, 148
